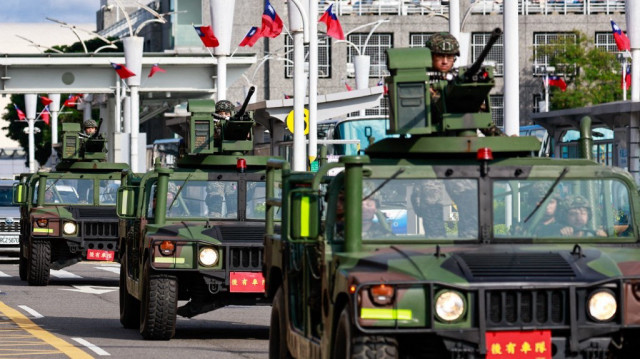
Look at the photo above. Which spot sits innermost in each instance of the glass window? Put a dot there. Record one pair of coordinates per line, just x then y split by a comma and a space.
497, 110
419, 39
420, 209
605, 41
6, 196
66, 191
204, 199
324, 56
108, 191
257, 200
375, 47
496, 54
540, 39
187, 14
574, 208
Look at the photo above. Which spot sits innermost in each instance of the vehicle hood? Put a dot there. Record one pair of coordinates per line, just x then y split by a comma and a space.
493, 263
13, 212
51, 212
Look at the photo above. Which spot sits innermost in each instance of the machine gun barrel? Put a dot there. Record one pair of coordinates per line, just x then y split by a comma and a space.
473, 69
240, 113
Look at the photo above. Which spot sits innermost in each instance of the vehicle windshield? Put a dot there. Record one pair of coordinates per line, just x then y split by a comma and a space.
108, 191
575, 208
204, 199
66, 191
6, 196
420, 209
359, 130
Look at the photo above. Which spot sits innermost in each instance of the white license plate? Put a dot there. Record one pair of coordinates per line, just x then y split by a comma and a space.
9, 239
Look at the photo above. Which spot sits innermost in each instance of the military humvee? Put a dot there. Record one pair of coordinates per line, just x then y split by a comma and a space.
440, 243
69, 214
194, 232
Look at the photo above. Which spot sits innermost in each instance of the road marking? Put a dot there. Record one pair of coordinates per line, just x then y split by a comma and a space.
63, 274
94, 348
92, 289
32, 328
31, 311
115, 270
2, 274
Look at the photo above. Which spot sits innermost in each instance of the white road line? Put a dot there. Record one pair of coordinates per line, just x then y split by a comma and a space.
2, 274
94, 348
31, 311
63, 274
115, 270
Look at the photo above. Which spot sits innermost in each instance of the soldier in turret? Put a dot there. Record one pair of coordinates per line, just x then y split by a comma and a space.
444, 49
89, 129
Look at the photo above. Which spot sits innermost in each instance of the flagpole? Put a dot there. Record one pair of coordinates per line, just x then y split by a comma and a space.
624, 80
546, 92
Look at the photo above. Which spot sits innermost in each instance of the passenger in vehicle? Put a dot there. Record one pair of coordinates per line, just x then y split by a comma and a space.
578, 217
427, 199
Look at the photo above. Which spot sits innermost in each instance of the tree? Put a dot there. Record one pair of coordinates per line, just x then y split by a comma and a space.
592, 74
16, 129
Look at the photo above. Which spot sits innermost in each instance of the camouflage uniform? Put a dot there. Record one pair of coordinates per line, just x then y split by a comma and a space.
88, 124
219, 197
222, 106
427, 201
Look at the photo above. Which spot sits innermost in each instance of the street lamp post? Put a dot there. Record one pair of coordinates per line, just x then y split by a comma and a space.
30, 101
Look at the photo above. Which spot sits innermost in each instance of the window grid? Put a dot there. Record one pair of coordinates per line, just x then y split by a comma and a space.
381, 110
376, 47
605, 41
536, 103
419, 39
496, 54
497, 110
546, 38
324, 57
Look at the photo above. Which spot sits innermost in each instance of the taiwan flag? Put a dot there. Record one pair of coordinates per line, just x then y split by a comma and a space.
122, 71
21, 115
251, 37
334, 29
45, 115
156, 68
349, 88
557, 81
271, 23
71, 101
385, 88
45, 100
622, 41
627, 79
207, 36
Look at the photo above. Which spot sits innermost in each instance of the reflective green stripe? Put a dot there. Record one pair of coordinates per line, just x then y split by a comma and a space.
382, 313
123, 203
42, 230
304, 216
168, 260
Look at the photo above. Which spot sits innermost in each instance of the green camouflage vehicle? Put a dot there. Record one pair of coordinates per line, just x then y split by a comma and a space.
69, 214
453, 241
194, 232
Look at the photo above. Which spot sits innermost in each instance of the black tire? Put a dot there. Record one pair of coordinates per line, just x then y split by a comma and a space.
342, 336
129, 305
378, 347
39, 262
22, 267
278, 328
159, 305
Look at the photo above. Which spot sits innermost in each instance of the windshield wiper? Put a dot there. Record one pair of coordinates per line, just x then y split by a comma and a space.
546, 195
51, 185
175, 199
398, 172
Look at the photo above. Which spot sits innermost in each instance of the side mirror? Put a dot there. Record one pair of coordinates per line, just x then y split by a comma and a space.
125, 205
305, 215
19, 193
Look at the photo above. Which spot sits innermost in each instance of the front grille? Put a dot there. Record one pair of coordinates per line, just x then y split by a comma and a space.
516, 265
94, 212
245, 258
243, 233
14, 227
536, 307
100, 229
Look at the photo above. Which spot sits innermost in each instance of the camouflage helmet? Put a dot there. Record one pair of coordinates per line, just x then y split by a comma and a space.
443, 43
576, 201
224, 106
89, 123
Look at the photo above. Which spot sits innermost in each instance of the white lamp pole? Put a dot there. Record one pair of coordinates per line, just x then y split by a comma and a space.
511, 69
297, 21
54, 108
313, 80
30, 101
222, 25
633, 29
133, 46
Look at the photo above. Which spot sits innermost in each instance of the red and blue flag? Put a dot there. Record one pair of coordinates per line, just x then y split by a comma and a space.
622, 41
207, 36
627, 79
21, 115
71, 101
385, 88
45, 100
346, 84
271, 23
45, 115
557, 81
334, 29
156, 68
122, 71
251, 37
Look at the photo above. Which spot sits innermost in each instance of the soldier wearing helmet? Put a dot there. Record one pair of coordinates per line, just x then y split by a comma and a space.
444, 49
224, 108
89, 128
578, 215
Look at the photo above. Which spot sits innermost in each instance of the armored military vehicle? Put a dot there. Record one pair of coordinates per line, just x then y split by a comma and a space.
69, 214
453, 241
194, 232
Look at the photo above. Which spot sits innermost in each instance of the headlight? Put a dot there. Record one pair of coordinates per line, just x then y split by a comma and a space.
449, 306
69, 228
602, 305
208, 256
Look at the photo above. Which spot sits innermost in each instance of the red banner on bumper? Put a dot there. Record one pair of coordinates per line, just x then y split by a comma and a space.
100, 255
535, 344
246, 282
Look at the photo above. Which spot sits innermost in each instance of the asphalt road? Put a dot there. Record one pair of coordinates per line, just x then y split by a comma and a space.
77, 316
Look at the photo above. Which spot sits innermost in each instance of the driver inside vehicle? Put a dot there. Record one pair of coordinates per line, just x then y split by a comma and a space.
578, 217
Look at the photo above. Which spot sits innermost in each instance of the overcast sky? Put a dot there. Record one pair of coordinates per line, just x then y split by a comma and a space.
34, 11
